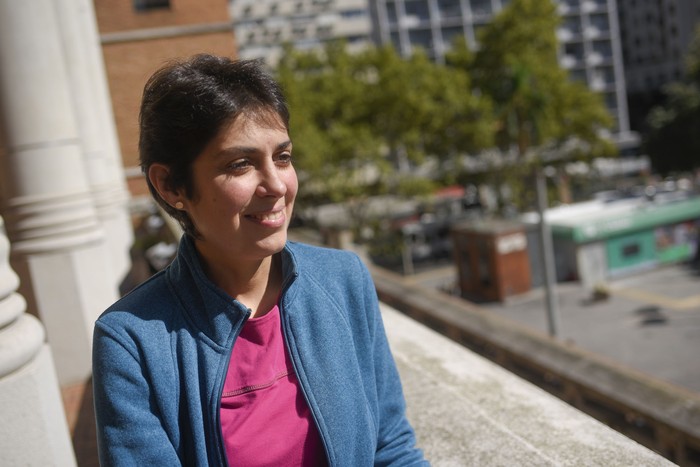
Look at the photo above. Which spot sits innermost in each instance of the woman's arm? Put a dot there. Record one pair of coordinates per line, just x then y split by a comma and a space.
396, 438
129, 428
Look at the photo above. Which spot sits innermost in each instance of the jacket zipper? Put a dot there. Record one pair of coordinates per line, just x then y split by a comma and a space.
220, 389
295, 364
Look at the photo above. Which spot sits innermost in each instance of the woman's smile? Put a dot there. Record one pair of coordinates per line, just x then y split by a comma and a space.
272, 219
244, 191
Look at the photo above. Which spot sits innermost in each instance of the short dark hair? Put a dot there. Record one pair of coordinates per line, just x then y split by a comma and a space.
187, 103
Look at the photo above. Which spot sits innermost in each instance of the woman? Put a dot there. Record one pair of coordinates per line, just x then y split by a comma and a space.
248, 349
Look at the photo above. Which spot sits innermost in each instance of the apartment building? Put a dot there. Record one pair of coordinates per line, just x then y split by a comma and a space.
263, 26
589, 37
655, 35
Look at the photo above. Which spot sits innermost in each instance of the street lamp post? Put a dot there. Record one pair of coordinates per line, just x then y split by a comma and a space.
546, 254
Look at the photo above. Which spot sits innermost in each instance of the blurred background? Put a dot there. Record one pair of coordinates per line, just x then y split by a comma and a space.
534, 161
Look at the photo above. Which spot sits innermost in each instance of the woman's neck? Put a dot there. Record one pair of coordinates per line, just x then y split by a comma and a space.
256, 284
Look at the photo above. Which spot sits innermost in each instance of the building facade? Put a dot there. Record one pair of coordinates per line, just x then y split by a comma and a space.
655, 35
589, 37
263, 26
607, 238
138, 36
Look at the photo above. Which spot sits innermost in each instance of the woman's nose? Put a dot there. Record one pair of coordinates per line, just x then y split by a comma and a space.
271, 183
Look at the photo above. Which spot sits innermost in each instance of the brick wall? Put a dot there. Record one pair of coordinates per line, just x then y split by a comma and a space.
129, 62
120, 15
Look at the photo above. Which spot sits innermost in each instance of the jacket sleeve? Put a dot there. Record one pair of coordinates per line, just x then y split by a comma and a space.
396, 438
129, 429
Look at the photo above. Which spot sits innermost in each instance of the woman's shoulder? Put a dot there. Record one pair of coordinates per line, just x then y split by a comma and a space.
149, 301
320, 257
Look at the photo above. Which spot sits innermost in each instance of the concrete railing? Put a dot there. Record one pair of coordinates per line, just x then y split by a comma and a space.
467, 410
661, 416
33, 430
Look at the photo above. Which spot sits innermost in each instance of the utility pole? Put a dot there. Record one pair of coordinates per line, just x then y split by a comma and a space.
546, 254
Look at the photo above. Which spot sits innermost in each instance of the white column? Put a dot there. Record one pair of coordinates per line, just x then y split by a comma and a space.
90, 94
33, 428
58, 246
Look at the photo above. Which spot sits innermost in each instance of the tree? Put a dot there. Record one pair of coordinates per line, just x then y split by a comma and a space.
330, 127
673, 140
539, 110
543, 116
424, 109
359, 119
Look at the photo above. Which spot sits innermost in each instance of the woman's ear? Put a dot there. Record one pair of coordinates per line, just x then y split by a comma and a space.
159, 175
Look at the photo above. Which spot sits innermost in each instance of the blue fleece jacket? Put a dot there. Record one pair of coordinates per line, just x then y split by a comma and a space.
161, 354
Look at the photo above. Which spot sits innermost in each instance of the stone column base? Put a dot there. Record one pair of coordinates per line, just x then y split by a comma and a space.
38, 434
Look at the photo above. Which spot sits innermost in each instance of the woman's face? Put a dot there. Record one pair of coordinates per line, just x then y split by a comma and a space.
244, 190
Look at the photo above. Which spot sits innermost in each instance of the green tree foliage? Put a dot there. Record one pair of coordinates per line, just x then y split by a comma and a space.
673, 140
421, 108
539, 111
536, 102
359, 118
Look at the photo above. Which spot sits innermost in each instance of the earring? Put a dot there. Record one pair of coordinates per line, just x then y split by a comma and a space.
179, 205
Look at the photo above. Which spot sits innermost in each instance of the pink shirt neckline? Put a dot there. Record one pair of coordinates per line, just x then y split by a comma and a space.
262, 402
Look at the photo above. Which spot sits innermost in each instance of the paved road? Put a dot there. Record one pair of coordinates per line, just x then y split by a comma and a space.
651, 322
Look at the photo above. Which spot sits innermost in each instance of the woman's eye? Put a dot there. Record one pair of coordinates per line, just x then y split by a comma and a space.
238, 165
284, 159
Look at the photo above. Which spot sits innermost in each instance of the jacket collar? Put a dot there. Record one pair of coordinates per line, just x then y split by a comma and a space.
208, 307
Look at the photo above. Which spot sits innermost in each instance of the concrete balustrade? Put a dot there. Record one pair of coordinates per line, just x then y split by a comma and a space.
33, 430
467, 410
659, 415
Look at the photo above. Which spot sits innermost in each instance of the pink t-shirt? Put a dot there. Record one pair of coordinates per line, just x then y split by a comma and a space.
264, 416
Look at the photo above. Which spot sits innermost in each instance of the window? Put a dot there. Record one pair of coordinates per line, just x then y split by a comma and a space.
449, 35
632, 249
578, 75
604, 48
421, 38
610, 100
147, 5
607, 74
574, 50
355, 13
391, 13
600, 22
481, 7
417, 8
299, 32
450, 8
572, 24
396, 40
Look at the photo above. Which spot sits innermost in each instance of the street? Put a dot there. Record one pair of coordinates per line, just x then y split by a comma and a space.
650, 322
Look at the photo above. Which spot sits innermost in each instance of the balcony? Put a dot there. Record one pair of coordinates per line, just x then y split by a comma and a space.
497, 418
467, 410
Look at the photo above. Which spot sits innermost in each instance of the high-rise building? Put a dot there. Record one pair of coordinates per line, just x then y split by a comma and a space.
655, 35
589, 37
263, 26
